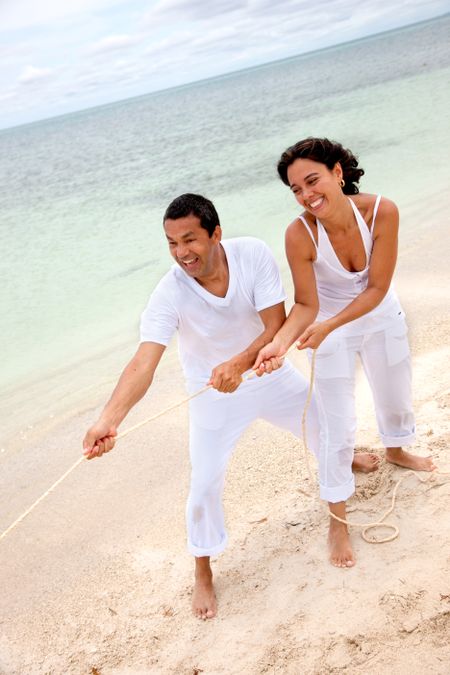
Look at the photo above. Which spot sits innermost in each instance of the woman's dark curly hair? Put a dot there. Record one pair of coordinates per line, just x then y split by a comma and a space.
326, 152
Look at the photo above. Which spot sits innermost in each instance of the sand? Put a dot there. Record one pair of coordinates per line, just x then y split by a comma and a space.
97, 579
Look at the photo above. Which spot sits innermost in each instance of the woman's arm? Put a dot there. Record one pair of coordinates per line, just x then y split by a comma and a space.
300, 253
381, 270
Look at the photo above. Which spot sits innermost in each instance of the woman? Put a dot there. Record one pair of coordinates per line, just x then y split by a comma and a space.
342, 253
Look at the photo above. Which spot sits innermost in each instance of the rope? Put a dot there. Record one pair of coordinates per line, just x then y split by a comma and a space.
82, 458
41, 498
365, 526
247, 376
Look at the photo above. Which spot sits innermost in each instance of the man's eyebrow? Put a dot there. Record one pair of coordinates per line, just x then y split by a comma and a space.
184, 236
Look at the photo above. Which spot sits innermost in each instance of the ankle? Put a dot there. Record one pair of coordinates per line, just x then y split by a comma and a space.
203, 571
336, 526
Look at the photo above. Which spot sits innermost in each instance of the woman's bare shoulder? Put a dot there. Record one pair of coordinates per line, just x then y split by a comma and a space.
297, 229
297, 237
366, 205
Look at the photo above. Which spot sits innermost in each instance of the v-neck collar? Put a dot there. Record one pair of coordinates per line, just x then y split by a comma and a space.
207, 295
321, 232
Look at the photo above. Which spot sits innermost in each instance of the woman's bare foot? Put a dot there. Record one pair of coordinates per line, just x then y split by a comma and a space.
408, 461
204, 603
341, 552
365, 462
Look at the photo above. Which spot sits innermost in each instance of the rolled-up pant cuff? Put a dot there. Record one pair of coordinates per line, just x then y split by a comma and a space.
339, 493
212, 551
398, 441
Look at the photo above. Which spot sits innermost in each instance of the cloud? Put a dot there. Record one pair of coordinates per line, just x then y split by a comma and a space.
95, 51
193, 10
19, 14
114, 42
7, 95
31, 74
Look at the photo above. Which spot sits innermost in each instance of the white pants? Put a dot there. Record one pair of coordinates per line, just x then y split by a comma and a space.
216, 423
387, 364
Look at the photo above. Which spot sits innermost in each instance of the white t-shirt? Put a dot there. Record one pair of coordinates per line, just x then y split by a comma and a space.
213, 329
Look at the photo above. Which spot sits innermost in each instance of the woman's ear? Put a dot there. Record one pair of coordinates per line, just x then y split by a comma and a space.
337, 170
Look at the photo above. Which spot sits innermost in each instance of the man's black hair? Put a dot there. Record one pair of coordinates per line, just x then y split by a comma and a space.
190, 204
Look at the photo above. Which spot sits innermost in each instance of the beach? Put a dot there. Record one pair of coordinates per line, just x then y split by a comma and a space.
97, 578
82, 196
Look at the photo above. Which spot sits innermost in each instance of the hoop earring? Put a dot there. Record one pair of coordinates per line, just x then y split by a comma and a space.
342, 182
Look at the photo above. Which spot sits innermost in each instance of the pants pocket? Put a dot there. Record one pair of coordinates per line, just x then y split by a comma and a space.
396, 342
332, 359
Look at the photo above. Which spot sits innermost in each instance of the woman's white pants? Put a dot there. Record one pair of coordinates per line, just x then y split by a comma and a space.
216, 423
386, 361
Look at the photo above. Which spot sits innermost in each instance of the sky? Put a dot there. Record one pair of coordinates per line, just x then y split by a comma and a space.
59, 56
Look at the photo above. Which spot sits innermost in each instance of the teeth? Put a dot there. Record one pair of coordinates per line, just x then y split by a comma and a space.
316, 203
188, 262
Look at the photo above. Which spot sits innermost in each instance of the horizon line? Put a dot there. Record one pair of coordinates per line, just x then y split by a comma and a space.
230, 73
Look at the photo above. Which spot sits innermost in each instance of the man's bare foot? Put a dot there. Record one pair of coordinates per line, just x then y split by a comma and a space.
204, 603
408, 461
341, 552
365, 462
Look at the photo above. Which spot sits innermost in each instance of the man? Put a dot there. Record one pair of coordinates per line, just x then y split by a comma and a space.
226, 300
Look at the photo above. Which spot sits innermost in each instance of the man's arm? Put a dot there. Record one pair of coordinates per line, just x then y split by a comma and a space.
131, 387
300, 254
228, 375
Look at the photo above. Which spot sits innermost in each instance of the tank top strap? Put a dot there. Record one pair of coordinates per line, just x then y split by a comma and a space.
308, 229
375, 211
365, 232
325, 246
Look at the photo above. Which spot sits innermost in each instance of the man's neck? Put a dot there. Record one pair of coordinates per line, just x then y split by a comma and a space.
217, 282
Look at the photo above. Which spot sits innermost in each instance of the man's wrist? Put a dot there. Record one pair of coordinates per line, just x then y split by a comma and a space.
110, 419
281, 343
282, 346
242, 362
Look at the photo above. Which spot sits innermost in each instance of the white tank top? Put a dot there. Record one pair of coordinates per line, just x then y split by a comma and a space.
337, 287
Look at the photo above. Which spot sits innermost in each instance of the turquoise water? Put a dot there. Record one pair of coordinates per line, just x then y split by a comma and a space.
82, 195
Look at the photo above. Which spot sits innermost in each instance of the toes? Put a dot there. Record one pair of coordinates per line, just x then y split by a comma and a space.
337, 562
207, 614
198, 612
343, 563
204, 613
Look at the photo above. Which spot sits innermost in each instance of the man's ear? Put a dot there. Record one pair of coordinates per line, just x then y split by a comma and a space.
217, 234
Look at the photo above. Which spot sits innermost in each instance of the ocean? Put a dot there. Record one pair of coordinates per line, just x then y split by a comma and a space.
82, 196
